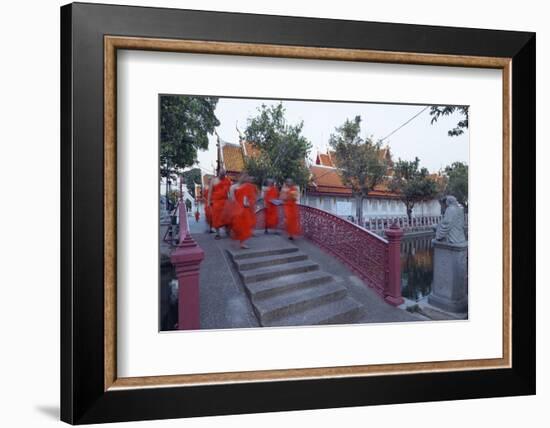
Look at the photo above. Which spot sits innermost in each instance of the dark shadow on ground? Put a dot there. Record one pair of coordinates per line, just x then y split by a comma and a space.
51, 411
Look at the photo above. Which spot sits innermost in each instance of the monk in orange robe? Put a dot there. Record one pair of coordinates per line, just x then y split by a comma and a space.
207, 209
271, 210
230, 208
244, 220
217, 198
289, 195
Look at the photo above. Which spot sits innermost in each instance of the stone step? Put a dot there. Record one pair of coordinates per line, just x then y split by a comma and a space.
289, 303
251, 253
343, 311
269, 272
272, 287
270, 260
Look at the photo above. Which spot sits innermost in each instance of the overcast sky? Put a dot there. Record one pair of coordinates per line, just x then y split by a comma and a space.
418, 138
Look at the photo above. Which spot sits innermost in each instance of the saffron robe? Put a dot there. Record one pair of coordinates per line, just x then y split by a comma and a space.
292, 216
244, 220
271, 210
218, 198
230, 208
207, 209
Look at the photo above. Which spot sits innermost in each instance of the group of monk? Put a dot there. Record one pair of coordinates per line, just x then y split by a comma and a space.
232, 206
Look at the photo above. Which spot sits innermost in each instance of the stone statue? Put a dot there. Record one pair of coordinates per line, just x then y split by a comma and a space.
450, 280
451, 227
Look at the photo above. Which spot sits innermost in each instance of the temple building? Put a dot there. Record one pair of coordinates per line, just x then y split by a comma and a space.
326, 189
233, 156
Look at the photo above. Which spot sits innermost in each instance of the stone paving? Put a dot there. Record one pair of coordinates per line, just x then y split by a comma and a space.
224, 303
376, 310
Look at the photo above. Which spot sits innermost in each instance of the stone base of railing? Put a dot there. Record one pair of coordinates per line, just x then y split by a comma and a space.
186, 259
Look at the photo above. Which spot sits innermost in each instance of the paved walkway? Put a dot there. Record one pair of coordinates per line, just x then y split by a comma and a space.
224, 303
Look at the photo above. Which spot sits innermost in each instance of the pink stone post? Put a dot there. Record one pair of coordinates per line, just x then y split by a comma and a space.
392, 293
186, 259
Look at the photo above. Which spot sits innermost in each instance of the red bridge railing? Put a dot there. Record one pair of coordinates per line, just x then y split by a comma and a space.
374, 259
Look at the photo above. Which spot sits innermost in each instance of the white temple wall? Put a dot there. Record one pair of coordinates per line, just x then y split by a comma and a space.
372, 207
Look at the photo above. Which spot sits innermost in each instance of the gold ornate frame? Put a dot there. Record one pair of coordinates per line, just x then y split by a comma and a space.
114, 43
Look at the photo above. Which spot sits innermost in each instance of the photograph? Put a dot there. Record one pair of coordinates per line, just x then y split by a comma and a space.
291, 212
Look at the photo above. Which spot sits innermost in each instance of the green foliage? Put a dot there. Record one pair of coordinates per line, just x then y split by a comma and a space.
190, 178
283, 148
359, 160
437, 111
173, 196
412, 183
185, 122
457, 184
261, 169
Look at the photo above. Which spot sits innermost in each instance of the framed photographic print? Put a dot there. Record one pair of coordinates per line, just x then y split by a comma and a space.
265, 213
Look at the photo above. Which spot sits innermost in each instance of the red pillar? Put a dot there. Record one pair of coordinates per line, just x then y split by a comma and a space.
392, 293
186, 259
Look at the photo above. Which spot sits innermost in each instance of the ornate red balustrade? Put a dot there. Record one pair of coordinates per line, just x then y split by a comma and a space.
374, 259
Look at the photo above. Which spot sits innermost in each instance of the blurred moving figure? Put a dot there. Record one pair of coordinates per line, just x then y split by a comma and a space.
217, 198
244, 218
289, 195
271, 210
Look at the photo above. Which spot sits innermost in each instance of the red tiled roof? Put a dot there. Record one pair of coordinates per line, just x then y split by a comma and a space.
326, 177
328, 181
324, 160
384, 152
234, 156
250, 149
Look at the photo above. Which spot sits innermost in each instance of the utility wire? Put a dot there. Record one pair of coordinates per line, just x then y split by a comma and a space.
407, 122
391, 133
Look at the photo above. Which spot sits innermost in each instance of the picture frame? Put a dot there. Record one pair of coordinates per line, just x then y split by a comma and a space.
91, 391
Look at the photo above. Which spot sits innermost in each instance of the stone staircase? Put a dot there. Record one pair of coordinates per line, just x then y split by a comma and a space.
288, 289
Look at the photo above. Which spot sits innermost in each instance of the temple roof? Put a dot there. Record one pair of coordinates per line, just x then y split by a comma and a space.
327, 180
233, 159
328, 158
324, 159
250, 149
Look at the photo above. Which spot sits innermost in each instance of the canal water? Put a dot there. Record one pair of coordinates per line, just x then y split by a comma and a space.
416, 267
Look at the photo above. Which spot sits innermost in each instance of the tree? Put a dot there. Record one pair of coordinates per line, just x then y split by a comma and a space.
359, 161
282, 147
185, 123
173, 197
191, 177
413, 184
437, 111
457, 182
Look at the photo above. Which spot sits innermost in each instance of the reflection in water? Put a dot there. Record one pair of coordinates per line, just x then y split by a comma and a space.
416, 267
